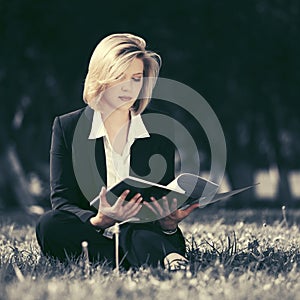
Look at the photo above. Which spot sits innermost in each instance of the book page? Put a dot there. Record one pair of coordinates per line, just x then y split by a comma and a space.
196, 186
175, 187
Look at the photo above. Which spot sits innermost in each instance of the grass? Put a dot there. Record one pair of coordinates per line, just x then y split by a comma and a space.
246, 254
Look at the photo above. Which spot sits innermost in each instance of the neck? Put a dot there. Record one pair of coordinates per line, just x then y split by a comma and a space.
117, 127
116, 119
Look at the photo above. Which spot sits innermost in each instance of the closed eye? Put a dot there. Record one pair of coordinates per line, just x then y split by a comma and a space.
137, 79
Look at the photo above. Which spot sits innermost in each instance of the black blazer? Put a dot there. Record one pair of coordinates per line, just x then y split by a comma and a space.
78, 165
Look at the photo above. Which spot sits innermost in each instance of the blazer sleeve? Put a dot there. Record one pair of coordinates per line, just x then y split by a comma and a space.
65, 192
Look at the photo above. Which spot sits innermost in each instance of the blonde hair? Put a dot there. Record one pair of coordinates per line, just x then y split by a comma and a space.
111, 58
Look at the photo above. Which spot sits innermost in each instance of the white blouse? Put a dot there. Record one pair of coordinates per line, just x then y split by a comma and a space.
117, 165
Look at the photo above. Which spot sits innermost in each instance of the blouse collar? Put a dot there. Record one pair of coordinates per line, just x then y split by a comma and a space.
137, 127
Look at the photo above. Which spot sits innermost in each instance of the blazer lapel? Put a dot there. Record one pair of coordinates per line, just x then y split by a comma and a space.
100, 160
96, 154
88, 157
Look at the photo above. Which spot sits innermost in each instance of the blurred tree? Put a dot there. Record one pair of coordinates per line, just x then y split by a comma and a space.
242, 56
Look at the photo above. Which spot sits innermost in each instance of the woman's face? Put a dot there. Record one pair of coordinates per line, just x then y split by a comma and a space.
122, 94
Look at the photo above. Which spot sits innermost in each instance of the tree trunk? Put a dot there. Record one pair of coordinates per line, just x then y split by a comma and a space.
14, 188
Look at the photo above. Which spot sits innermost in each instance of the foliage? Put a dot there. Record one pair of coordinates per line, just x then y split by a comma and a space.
242, 56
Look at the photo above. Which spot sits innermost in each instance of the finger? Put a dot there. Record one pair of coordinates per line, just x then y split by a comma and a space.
103, 201
151, 208
102, 193
132, 205
121, 199
134, 200
157, 206
133, 212
129, 208
186, 212
192, 207
174, 205
166, 206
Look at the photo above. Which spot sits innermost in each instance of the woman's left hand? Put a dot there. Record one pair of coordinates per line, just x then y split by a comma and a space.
170, 215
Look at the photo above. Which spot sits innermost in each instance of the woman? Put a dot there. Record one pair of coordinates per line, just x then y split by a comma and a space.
110, 131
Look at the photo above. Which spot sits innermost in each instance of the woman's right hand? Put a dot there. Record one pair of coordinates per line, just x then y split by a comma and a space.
107, 215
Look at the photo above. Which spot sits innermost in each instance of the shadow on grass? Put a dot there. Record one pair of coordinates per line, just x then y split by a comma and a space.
230, 260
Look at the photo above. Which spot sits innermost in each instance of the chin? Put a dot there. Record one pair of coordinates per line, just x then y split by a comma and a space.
126, 106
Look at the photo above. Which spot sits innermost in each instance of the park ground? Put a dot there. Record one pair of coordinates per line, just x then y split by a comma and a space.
233, 254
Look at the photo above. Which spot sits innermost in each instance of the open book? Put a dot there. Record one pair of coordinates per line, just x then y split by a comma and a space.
186, 188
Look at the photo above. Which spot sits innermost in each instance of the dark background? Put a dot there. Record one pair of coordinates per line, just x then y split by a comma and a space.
241, 56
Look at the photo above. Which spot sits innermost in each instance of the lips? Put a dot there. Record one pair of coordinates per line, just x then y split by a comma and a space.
125, 98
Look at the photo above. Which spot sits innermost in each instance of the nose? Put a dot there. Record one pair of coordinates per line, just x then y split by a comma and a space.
126, 86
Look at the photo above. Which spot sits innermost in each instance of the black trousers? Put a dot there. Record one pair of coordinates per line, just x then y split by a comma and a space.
60, 233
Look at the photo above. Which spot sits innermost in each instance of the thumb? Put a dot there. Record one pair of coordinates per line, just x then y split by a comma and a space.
191, 208
103, 201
